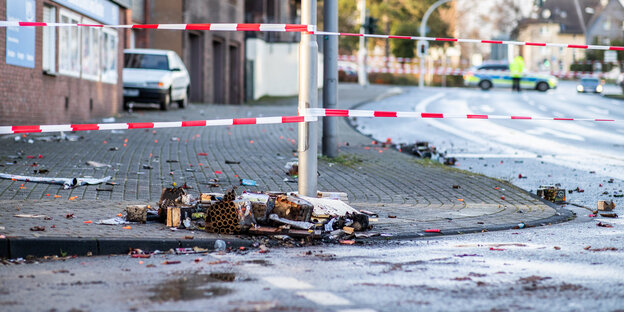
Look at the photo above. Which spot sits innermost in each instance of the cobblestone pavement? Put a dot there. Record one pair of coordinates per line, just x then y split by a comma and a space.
408, 196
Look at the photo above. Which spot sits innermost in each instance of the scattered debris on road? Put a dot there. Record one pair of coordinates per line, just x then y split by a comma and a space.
604, 205
272, 214
67, 183
605, 225
552, 193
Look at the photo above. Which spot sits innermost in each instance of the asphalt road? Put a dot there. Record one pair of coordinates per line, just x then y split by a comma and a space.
582, 154
574, 266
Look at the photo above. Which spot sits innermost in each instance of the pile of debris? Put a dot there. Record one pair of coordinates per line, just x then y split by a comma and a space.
325, 217
423, 150
552, 193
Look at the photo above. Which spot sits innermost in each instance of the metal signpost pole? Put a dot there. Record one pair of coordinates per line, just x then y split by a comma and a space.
362, 70
423, 45
330, 78
308, 94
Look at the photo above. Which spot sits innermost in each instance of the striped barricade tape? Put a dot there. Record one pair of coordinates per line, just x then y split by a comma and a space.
507, 42
154, 125
311, 29
322, 112
211, 26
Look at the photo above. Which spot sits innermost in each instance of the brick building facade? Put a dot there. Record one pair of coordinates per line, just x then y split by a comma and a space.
70, 74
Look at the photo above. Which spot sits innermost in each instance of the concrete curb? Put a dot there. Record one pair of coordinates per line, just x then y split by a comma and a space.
17, 247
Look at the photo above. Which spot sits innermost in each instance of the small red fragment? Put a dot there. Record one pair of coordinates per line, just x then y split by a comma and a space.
503, 197
432, 231
88, 222
218, 172
202, 154
140, 256
497, 249
347, 242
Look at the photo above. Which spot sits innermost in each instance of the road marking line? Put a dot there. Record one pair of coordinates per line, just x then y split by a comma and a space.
323, 298
287, 282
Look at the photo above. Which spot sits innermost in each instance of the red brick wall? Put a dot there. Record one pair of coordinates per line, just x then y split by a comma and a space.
27, 96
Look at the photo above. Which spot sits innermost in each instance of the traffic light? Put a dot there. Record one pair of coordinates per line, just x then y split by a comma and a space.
422, 47
371, 25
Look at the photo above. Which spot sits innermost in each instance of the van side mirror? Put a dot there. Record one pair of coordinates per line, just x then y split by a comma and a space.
176, 69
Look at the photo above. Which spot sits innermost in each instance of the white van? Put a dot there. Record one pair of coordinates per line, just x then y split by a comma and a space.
154, 76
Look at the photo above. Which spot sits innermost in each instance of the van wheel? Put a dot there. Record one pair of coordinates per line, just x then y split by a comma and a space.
164, 105
485, 85
184, 102
542, 86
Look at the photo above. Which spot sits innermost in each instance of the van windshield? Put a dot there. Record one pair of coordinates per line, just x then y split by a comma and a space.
146, 61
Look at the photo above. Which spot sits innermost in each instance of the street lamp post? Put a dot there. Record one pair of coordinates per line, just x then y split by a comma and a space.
421, 43
308, 94
330, 78
363, 71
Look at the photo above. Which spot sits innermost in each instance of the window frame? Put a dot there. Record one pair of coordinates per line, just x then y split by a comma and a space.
48, 45
90, 37
103, 63
63, 43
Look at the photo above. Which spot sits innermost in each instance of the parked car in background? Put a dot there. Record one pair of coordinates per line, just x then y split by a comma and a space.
590, 85
488, 76
154, 76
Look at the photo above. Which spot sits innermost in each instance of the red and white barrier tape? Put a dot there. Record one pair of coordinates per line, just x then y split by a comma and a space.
406, 60
320, 112
306, 28
310, 115
520, 43
154, 125
212, 26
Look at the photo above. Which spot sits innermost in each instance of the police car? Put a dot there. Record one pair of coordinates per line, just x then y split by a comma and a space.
497, 75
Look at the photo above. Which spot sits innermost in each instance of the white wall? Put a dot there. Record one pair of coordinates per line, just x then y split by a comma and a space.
276, 68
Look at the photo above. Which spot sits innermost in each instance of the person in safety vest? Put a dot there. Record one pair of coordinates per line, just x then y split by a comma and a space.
516, 68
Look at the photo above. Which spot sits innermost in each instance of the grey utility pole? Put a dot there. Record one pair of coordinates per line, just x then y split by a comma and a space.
308, 94
330, 78
423, 33
362, 72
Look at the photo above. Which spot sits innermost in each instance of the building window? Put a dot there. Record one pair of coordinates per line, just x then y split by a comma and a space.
90, 51
607, 24
69, 45
110, 41
49, 40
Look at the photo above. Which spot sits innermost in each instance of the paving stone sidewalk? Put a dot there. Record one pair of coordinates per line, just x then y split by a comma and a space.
382, 180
